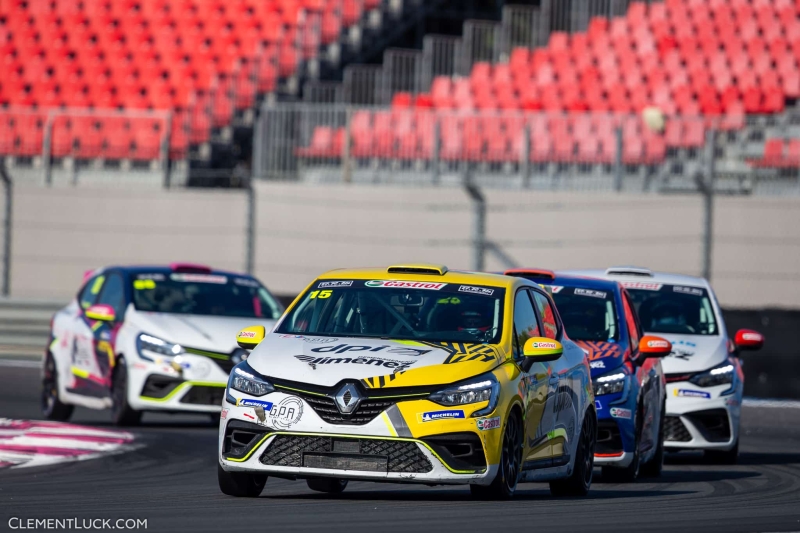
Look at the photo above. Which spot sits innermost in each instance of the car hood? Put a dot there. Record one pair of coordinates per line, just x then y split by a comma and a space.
603, 356
693, 353
212, 333
378, 363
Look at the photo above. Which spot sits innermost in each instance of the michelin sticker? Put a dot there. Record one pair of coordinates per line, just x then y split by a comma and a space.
485, 424
688, 393
618, 412
433, 416
245, 402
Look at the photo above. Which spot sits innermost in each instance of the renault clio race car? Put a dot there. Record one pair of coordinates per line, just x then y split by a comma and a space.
704, 375
411, 374
140, 339
629, 385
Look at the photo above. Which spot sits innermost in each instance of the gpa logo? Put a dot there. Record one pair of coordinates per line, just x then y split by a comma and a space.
485, 424
688, 393
433, 416
618, 412
394, 284
544, 345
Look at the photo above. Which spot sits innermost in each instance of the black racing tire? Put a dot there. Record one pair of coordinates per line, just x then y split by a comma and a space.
240, 484
628, 474
727, 457
52, 406
654, 466
327, 484
121, 412
580, 481
505, 482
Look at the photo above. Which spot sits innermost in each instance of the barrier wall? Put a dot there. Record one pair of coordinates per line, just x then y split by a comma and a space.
304, 230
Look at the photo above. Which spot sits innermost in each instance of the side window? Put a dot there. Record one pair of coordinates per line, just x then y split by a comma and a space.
88, 294
525, 324
548, 315
633, 323
113, 294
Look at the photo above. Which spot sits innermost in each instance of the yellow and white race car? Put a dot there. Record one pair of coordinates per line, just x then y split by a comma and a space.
411, 373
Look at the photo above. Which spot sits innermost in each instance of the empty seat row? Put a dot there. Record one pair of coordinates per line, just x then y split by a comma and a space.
779, 153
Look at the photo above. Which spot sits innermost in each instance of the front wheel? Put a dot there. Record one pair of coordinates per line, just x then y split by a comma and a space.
240, 484
327, 484
580, 481
653, 467
629, 473
122, 414
505, 482
52, 406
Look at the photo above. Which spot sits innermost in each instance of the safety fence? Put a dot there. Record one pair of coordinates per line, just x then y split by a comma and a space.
329, 143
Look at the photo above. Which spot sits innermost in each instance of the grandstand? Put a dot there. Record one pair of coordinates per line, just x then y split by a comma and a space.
152, 80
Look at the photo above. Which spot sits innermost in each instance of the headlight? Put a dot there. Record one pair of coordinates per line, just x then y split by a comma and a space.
719, 375
482, 389
610, 383
244, 379
152, 347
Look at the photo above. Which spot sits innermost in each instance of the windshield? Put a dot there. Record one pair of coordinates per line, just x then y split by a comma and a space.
399, 310
673, 309
204, 294
588, 314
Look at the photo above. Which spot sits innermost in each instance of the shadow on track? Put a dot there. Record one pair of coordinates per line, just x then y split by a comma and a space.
745, 458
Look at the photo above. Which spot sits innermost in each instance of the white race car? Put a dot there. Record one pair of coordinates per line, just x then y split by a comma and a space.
704, 374
140, 339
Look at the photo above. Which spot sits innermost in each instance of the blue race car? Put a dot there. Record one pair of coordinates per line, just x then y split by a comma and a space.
629, 384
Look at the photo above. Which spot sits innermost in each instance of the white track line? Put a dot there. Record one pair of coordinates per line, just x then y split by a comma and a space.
773, 404
17, 363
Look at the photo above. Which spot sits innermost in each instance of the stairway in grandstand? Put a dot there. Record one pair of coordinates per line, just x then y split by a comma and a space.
731, 65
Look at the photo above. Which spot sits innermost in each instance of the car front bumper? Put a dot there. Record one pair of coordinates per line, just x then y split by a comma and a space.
708, 420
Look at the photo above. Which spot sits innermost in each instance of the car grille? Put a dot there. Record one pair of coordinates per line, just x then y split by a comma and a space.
712, 424
675, 431
326, 408
202, 395
376, 455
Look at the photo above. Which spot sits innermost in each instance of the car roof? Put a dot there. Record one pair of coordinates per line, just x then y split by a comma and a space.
167, 269
426, 273
654, 277
583, 282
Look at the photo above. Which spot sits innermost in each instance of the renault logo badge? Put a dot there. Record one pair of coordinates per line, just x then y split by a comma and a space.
347, 399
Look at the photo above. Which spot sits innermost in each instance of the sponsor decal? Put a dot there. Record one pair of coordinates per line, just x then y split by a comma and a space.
485, 424
657, 344
688, 393
244, 282
694, 291
642, 285
362, 360
433, 416
156, 277
544, 345
597, 364
752, 336
598, 405
199, 278
589, 292
395, 284
334, 284
247, 334
555, 289
223, 414
287, 413
248, 415
599, 349
476, 290
312, 340
246, 402
618, 412
396, 350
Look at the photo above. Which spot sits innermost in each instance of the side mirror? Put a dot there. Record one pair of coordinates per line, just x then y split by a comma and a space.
100, 312
249, 338
652, 346
747, 339
542, 349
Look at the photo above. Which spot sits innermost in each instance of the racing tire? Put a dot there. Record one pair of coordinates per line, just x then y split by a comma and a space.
52, 406
505, 482
629, 473
727, 457
121, 412
654, 466
240, 484
580, 481
327, 484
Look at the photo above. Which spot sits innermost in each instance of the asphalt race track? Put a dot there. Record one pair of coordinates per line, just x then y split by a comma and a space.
171, 482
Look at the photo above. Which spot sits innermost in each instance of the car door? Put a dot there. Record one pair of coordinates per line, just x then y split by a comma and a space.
538, 399
565, 383
78, 343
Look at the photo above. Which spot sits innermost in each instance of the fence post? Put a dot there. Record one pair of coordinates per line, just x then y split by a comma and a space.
525, 164
8, 186
165, 149
347, 167
47, 160
479, 224
705, 183
618, 159
435, 156
250, 242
